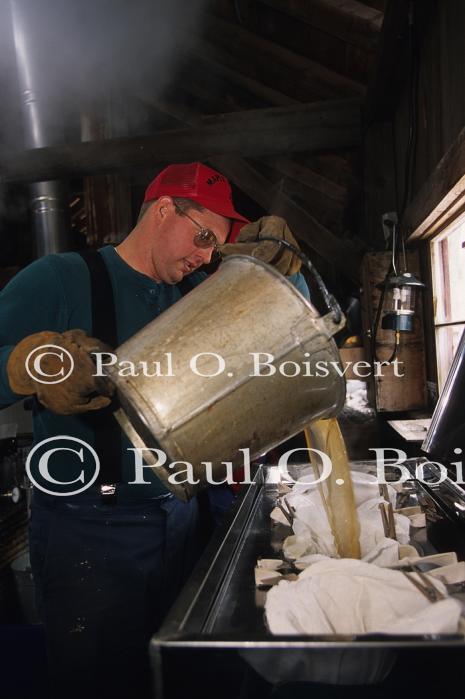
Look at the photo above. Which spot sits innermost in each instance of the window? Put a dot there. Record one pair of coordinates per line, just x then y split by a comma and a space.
448, 273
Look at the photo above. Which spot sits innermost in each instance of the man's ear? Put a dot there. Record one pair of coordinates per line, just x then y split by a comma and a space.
165, 206
159, 209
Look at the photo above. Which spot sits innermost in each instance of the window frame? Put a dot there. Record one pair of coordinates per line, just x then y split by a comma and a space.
438, 254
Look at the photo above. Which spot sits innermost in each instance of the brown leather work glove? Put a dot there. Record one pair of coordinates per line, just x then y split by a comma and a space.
77, 393
248, 243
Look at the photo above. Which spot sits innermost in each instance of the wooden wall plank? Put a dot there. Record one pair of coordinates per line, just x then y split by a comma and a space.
383, 93
379, 177
439, 160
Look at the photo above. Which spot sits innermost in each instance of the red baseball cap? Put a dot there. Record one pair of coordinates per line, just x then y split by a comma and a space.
200, 183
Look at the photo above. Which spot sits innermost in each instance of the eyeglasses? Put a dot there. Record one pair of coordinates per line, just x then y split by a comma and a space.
204, 238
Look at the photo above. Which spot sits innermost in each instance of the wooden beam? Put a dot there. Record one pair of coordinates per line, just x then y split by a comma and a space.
276, 66
306, 227
349, 20
442, 196
316, 126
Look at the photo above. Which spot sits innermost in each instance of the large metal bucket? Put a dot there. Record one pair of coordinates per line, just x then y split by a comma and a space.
246, 307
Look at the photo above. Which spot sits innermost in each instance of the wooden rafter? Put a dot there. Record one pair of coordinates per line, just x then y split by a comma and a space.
305, 190
330, 216
349, 20
308, 177
284, 70
207, 57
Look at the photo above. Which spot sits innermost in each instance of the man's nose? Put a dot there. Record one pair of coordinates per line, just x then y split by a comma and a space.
206, 254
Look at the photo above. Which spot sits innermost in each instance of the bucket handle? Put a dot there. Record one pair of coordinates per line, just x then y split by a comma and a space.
332, 305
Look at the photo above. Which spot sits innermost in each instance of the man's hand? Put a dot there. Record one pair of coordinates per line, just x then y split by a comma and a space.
80, 391
248, 243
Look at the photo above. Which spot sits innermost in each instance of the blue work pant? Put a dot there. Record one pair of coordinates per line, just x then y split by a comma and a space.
105, 576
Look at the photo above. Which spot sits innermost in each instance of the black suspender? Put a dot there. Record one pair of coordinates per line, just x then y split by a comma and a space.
103, 303
106, 429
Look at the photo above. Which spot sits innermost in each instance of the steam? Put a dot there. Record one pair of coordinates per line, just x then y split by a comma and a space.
95, 51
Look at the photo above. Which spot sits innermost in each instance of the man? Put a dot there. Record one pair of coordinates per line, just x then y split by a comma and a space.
107, 571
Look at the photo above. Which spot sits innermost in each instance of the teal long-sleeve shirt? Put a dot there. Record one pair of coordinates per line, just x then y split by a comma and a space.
53, 293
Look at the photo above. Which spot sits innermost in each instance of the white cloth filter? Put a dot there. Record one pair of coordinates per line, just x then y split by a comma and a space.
312, 532
345, 596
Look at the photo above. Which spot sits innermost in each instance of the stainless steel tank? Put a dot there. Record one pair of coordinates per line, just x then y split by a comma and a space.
211, 401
